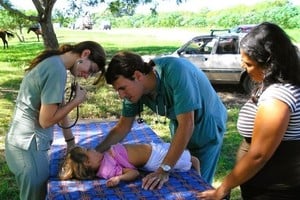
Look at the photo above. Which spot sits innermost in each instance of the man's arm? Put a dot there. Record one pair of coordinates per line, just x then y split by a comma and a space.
116, 134
181, 138
179, 142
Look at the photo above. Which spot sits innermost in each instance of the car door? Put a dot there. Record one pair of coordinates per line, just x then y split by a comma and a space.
225, 62
199, 51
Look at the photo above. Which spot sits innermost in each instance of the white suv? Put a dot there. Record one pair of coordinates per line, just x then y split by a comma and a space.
218, 56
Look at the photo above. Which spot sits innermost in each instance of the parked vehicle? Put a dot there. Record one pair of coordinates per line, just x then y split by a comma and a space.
83, 23
105, 25
217, 54
244, 28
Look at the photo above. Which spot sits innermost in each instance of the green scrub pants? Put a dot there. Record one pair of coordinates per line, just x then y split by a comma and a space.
31, 170
208, 157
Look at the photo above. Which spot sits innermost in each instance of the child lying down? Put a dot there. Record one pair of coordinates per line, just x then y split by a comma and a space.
121, 162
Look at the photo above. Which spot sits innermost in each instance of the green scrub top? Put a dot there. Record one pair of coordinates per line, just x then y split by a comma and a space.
44, 84
182, 87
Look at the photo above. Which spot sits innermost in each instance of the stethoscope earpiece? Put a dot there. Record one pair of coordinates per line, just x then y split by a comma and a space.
140, 120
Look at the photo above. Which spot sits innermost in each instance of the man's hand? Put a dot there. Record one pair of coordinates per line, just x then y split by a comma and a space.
155, 180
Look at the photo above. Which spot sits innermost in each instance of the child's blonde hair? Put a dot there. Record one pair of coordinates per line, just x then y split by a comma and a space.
74, 167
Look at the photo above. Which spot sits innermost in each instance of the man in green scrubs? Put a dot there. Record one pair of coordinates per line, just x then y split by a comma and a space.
177, 89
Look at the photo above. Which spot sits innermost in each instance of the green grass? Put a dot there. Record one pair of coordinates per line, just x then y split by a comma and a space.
103, 103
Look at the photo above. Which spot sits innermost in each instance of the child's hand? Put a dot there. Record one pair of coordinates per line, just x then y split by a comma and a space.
114, 181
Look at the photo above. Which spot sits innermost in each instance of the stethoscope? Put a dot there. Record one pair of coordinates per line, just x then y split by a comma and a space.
71, 96
141, 120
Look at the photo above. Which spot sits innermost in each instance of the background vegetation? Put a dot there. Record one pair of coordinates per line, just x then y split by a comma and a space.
103, 102
280, 11
129, 32
122, 14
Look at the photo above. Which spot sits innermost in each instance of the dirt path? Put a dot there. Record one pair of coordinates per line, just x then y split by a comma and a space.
231, 95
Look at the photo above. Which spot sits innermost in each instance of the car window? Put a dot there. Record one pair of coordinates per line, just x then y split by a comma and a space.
227, 46
200, 46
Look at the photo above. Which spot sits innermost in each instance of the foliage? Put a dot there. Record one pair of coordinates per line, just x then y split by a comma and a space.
8, 188
60, 17
121, 13
122, 8
103, 103
44, 13
43, 17
281, 12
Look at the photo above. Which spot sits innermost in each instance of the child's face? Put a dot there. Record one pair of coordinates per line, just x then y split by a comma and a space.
94, 158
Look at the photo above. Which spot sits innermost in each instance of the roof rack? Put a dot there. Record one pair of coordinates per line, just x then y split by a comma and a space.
218, 30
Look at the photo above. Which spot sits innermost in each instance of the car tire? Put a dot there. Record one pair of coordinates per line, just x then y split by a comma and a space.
247, 84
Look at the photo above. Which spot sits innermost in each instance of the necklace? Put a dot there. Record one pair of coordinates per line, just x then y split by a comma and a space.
257, 94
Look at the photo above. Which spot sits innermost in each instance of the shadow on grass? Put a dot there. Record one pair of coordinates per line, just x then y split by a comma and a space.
20, 53
8, 187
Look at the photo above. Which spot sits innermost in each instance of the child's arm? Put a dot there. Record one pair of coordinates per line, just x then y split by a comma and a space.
196, 164
128, 175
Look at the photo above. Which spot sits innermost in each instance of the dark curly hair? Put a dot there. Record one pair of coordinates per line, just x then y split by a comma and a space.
272, 48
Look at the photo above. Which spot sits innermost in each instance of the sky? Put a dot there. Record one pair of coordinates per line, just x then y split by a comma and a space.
165, 5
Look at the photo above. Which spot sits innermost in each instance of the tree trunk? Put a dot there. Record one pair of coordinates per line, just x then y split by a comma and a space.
21, 37
44, 9
49, 36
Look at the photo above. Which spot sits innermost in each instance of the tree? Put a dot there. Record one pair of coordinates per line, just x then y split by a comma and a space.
44, 17
44, 14
44, 11
121, 8
9, 22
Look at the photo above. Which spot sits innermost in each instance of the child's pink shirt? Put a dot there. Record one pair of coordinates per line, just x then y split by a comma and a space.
112, 164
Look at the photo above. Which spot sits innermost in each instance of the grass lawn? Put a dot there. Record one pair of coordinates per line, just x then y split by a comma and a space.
103, 103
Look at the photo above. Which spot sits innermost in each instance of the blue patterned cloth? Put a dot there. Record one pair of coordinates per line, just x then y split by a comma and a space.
181, 185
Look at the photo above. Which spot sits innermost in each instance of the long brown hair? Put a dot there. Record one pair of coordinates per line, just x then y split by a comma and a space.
73, 166
97, 55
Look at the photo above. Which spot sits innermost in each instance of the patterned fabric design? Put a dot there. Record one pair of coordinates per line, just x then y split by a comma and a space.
181, 185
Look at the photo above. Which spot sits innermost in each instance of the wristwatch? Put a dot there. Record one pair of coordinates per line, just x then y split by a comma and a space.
165, 168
